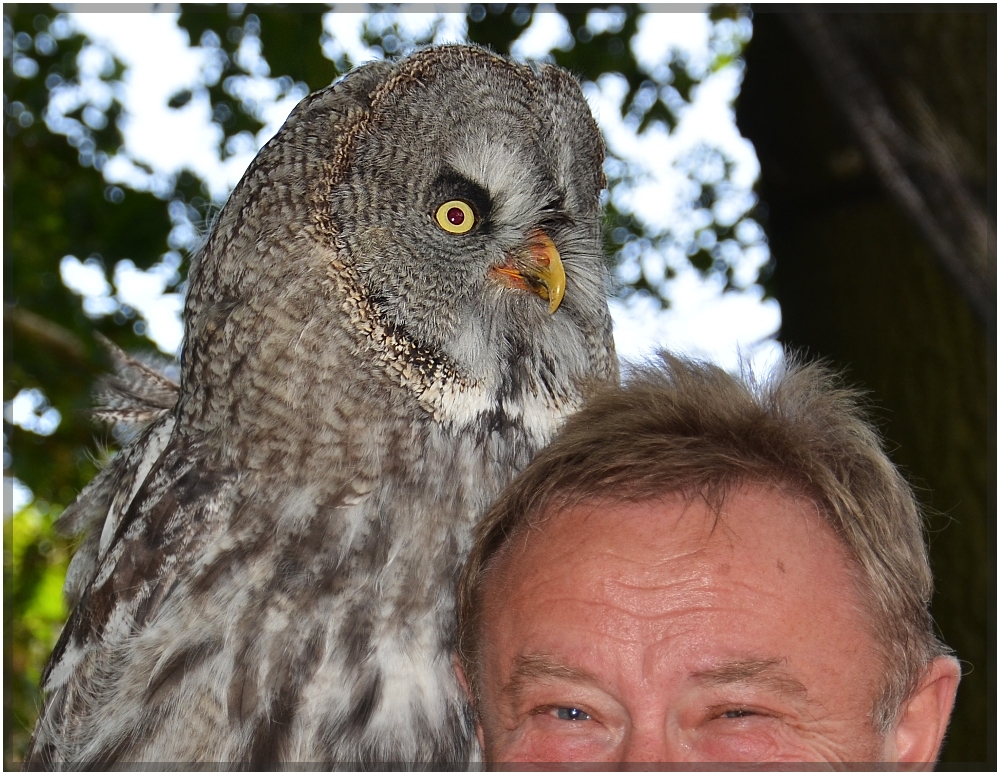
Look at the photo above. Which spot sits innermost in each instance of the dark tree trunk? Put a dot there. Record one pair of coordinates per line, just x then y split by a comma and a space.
876, 135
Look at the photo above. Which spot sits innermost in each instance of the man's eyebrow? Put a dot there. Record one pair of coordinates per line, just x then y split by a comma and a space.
535, 666
766, 673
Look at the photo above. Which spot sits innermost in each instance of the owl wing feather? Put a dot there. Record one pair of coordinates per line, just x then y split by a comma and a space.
149, 546
135, 398
136, 393
151, 520
162, 522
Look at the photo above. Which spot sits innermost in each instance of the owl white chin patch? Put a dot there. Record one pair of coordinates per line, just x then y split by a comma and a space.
541, 415
454, 403
459, 406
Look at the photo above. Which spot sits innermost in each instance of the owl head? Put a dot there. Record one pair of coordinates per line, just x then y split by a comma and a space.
452, 199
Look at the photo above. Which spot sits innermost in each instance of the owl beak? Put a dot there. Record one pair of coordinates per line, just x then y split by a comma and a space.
538, 268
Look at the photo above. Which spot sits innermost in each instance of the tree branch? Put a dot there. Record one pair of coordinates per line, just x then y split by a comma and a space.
44, 332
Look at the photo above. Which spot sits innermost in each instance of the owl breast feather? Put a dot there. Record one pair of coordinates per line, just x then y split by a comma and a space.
311, 622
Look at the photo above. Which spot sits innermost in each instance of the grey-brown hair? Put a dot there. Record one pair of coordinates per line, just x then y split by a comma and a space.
681, 426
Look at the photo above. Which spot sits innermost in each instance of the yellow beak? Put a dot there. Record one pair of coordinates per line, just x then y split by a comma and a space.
538, 269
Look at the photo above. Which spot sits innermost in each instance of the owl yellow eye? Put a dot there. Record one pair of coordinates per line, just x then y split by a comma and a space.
455, 217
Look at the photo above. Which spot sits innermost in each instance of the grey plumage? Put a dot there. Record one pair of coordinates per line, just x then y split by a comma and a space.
269, 565
136, 393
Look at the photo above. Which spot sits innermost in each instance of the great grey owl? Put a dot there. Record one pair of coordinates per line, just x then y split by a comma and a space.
398, 305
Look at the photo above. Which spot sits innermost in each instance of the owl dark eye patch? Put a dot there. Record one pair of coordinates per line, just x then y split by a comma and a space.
453, 185
554, 216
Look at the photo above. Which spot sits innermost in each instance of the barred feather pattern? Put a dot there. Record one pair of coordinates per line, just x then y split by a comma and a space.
136, 393
268, 570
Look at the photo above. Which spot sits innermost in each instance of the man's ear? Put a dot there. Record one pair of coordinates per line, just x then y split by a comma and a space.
923, 718
456, 664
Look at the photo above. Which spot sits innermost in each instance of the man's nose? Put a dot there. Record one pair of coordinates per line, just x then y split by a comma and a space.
648, 746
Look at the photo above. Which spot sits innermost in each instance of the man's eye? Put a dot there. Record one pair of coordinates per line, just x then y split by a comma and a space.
738, 713
571, 714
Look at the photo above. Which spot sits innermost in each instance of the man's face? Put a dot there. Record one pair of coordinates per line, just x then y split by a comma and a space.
655, 632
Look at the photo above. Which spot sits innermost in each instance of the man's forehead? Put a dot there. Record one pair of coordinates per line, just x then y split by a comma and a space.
696, 518
640, 557
674, 590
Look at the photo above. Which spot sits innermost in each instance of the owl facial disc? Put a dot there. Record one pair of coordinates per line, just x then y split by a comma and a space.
536, 268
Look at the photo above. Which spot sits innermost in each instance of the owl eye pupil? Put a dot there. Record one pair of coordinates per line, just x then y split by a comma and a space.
455, 217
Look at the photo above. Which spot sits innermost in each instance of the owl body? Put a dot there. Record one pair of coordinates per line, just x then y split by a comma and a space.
269, 565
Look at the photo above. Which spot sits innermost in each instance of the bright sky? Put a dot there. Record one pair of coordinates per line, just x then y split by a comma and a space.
702, 320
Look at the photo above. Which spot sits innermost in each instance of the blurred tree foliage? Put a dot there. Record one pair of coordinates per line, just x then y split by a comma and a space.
62, 117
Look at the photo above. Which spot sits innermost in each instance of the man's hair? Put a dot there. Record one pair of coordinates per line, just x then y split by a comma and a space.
690, 428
